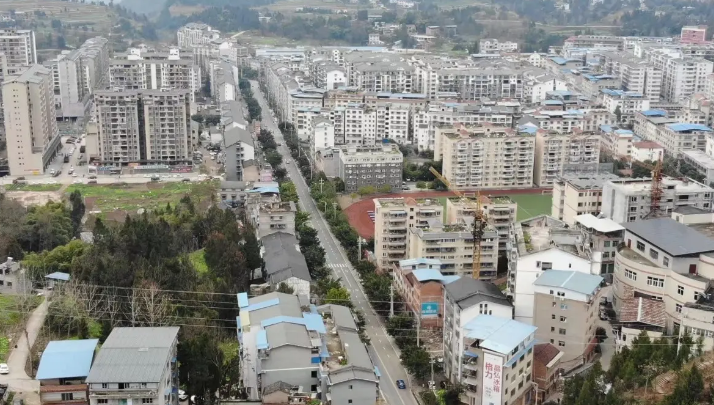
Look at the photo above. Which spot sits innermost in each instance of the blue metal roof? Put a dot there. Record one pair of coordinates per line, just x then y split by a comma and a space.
654, 113
582, 283
559, 60
261, 305
500, 335
67, 359
428, 275
58, 276
310, 321
683, 127
624, 132
606, 128
264, 190
553, 102
529, 129
450, 279
418, 261
261, 339
243, 300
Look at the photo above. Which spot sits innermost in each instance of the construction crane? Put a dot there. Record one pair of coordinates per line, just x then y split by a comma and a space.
479, 225
657, 175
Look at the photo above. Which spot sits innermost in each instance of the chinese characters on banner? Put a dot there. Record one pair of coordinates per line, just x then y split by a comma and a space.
492, 379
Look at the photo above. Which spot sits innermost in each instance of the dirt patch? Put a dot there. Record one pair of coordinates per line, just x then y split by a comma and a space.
29, 198
357, 213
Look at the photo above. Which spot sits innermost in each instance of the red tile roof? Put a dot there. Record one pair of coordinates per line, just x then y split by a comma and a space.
643, 310
544, 353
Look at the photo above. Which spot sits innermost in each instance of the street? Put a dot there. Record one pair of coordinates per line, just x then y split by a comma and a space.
384, 353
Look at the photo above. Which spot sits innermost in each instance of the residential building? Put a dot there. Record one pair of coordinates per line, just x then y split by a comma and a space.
136, 364
31, 129
453, 246
627, 200
601, 235
504, 346
426, 122
697, 319
546, 366
662, 260
647, 151
538, 84
575, 194
137, 70
676, 138
531, 266
684, 76
702, 162
280, 344
375, 166
485, 156
464, 300
144, 126
322, 135
628, 103
63, 369
492, 45
238, 144
328, 75
18, 46
500, 212
617, 141
193, 34
379, 76
557, 154
284, 263
420, 282
693, 34
566, 305
272, 217
636, 74
393, 217
594, 84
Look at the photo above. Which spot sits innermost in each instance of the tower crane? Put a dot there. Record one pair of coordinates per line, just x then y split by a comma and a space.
479, 225
657, 175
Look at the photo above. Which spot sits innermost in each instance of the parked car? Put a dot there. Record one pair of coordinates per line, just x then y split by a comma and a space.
91, 182
401, 385
182, 395
4, 369
92, 177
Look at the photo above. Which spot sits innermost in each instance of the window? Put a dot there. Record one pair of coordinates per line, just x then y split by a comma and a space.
349, 401
105, 385
563, 319
551, 292
102, 401
552, 328
313, 388
561, 331
606, 243
563, 307
350, 387
678, 308
640, 246
561, 343
552, 316
631, 274
313, 374
67, 396
655, 282
665, 261
680, 290
654, 254
147, 400
123, 386
696, 296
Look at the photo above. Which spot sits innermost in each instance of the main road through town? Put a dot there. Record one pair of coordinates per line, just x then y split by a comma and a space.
383, 351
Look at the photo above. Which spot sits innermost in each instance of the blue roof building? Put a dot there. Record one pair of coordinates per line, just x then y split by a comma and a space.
67, 359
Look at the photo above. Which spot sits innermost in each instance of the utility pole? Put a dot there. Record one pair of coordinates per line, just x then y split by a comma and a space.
359, 248
322, 181
432, 383
334, 209
418, 325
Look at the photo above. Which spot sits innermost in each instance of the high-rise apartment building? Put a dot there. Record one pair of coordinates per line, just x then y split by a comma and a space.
193, 34
393, 217
30, 125
485, 157
628, 200
18, 46
374, 166
577, 194
148, 126
556, 154
154, 71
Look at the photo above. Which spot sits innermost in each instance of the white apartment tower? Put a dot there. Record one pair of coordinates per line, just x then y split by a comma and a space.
193, 34
18, 46
556, 154
30, 124
149, 126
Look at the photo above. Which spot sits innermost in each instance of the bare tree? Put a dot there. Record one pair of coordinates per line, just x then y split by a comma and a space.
153, 306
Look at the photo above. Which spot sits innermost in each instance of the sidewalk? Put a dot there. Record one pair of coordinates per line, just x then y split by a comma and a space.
19, 382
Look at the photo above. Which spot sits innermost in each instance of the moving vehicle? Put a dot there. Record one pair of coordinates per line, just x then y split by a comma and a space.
401, 385
4, 369
155, 178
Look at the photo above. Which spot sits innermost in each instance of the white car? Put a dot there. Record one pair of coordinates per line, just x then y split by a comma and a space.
182, 395
4, 369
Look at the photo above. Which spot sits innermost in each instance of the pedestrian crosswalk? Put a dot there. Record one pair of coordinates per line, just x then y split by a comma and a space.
338, 266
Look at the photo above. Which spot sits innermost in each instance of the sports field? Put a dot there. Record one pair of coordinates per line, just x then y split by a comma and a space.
532, 205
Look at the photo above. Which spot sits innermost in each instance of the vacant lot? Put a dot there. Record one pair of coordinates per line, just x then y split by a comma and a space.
68, 13
184, 9
131, 197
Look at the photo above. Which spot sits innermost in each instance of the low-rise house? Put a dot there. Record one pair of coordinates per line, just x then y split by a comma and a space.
56, 278
546, 365
63, 369
136, 365
421, 282
284, 263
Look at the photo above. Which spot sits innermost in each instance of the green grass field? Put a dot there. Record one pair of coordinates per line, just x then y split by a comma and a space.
10, 317
198, 260
532, 205
131, 197
33, 187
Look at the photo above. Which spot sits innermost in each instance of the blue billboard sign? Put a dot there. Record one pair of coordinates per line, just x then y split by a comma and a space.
429, 309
